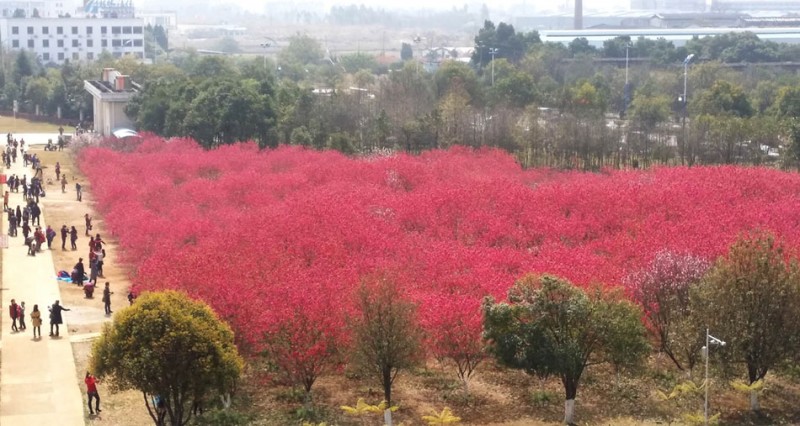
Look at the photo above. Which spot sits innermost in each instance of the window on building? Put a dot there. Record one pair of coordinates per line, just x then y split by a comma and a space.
74, 30
75, 43
15, 44
138, 43
116, 30
89, 30
90, 43
60, 56
127, 30
90, 56
45, 43
117, 54
139, 55
30, 44
45, 56
75, 56
59, 30
137, 30
30, 30
103, 30
116, 43
45, 30
103, 43
14, 30
61, 43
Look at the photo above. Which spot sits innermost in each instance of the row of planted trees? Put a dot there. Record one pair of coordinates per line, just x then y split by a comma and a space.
547, 327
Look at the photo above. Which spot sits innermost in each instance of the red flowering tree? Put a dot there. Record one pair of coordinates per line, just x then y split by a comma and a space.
662, 289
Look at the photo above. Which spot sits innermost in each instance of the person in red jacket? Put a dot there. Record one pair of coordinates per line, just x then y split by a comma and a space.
14, 313
91, 391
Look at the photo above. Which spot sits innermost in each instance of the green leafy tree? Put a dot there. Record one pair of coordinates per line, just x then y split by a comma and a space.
723, 98
170, 346
386, 336
751, 299
37, 92
302, 50
550, 327
226, 111
581, 46
228, 45
23, 67
505, 40
406, 52
788, 102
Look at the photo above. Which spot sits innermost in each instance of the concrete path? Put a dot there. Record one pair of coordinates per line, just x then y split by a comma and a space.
38, 383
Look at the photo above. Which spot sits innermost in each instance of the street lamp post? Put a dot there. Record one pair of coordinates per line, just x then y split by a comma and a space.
266, 45
627, 88
685, 85
493, 51
710, 340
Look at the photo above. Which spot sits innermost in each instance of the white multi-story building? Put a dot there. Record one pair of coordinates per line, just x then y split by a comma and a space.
40, 8
75, 39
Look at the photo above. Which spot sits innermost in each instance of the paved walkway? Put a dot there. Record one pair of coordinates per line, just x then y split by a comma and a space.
38, 382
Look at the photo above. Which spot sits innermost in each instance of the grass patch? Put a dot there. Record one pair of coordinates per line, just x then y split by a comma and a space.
20, 125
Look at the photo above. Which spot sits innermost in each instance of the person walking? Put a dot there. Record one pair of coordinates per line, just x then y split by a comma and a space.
5, 201
91, 391
50, 233
12, 223
78, 192
55, 317
64, 233
73, 237
107, 299
58, 171
14, 313
36, 321
88, 220
78, 270
63, 184
21, 315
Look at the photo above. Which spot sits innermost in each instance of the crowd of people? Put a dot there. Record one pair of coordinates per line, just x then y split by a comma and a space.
27, 217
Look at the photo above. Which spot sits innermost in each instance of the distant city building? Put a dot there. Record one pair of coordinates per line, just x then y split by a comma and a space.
40, 8
167, 19
755, 5
108, 8
76, 39
673, 5
678, 36
686, 20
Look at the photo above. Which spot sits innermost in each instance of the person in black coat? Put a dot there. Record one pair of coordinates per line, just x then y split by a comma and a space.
78, 272
55, 317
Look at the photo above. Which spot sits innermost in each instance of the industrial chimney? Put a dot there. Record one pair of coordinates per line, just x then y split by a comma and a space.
578, 14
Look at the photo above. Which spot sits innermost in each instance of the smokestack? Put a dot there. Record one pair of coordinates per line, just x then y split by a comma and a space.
578, 14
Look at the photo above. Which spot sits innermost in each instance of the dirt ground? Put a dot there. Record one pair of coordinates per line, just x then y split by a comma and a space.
124, 408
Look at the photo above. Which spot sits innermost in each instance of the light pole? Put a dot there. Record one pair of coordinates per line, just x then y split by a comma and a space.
627, 88
710, 340
266, 45
685, 84
492, 51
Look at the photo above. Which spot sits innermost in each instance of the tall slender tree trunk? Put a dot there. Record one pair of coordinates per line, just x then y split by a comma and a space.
569, 411
754, 405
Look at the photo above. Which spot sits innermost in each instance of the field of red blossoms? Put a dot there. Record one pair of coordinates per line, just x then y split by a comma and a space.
276, 241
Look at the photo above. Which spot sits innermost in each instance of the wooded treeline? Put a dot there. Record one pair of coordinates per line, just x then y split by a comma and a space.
549, 104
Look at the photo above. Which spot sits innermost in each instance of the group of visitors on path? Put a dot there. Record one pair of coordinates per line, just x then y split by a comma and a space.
29, 219
17, 314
